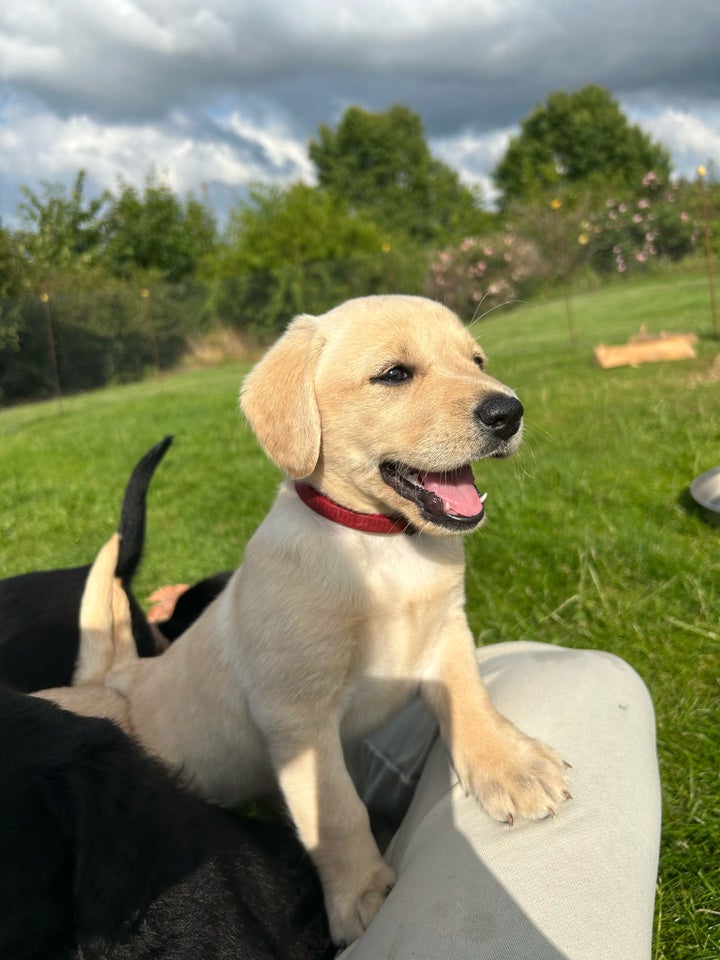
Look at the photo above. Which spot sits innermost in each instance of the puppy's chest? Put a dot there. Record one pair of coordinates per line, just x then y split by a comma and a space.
407, 596
397, 623
406, 610
393, 648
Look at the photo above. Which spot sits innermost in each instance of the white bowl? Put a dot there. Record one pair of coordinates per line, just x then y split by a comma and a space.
705, 489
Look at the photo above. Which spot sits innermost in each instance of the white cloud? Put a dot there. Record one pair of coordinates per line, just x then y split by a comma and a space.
474, 156
226, 92
692, 139
277, 144
54, 149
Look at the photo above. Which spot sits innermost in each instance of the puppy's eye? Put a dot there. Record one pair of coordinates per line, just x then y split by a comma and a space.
479, 361
396, 374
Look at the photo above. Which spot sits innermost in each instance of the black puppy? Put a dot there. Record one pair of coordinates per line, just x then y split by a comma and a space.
39, 612
104, 854
190, 604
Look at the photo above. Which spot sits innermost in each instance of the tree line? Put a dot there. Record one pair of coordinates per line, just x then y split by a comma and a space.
125, 276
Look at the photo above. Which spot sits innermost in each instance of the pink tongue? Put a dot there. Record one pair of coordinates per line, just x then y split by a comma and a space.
456, 490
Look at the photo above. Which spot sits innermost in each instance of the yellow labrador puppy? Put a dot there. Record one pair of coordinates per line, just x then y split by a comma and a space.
350, 598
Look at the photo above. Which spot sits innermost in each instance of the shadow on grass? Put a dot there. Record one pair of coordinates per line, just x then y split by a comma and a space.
690, 506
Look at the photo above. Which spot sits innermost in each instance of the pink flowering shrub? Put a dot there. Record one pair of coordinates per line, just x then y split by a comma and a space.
632, 234
484, 272
552, 240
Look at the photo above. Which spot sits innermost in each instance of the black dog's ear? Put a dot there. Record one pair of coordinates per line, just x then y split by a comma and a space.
278, 399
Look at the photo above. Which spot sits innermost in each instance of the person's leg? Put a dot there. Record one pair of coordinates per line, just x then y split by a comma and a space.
580, 886
387, 766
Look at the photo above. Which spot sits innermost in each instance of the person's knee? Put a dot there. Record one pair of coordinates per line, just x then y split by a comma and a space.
544, 687
599, 669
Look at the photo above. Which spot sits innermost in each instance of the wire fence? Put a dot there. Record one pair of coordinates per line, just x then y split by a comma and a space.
56, 346
73, 339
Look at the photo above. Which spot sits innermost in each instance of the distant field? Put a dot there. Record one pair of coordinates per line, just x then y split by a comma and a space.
591, 539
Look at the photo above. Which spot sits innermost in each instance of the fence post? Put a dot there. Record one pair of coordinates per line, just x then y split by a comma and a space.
45, 300
708, 249
145, 297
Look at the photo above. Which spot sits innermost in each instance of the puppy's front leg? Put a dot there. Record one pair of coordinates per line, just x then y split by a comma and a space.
334, 826
510, 773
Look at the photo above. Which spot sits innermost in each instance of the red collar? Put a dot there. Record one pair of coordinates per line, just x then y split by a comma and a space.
367, 522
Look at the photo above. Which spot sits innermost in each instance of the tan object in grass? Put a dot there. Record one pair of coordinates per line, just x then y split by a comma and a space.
646, 347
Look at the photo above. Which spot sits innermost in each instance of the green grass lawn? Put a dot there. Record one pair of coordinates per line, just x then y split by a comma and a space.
591, 539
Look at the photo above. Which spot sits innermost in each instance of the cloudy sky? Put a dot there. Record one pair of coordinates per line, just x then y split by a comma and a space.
218, 94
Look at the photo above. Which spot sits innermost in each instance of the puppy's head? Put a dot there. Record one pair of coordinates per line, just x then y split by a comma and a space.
382, 404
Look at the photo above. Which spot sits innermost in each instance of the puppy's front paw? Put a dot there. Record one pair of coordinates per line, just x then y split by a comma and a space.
515, 776
351, 910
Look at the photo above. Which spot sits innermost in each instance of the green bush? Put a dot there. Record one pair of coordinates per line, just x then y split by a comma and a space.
262, 303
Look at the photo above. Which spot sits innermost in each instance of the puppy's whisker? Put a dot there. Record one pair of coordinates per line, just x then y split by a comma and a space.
505, 303
425, 528
475, 317
533, 428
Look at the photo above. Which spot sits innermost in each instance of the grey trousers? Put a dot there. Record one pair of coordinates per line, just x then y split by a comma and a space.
580, 886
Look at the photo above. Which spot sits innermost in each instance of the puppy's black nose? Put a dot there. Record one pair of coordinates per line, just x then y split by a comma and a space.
501, 414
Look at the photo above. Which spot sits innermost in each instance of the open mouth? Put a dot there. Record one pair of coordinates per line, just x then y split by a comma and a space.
449, 499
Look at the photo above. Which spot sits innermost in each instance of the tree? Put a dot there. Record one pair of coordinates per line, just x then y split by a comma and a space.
582, 139
152, 230
299, 250
560, 230
59, 231
296, 225
11, 265
100, 312
380, 163
11, 286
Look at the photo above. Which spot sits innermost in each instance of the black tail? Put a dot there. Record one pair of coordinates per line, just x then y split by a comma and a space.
132, 516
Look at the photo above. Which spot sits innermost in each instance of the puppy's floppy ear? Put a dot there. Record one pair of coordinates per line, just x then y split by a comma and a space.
278, 399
